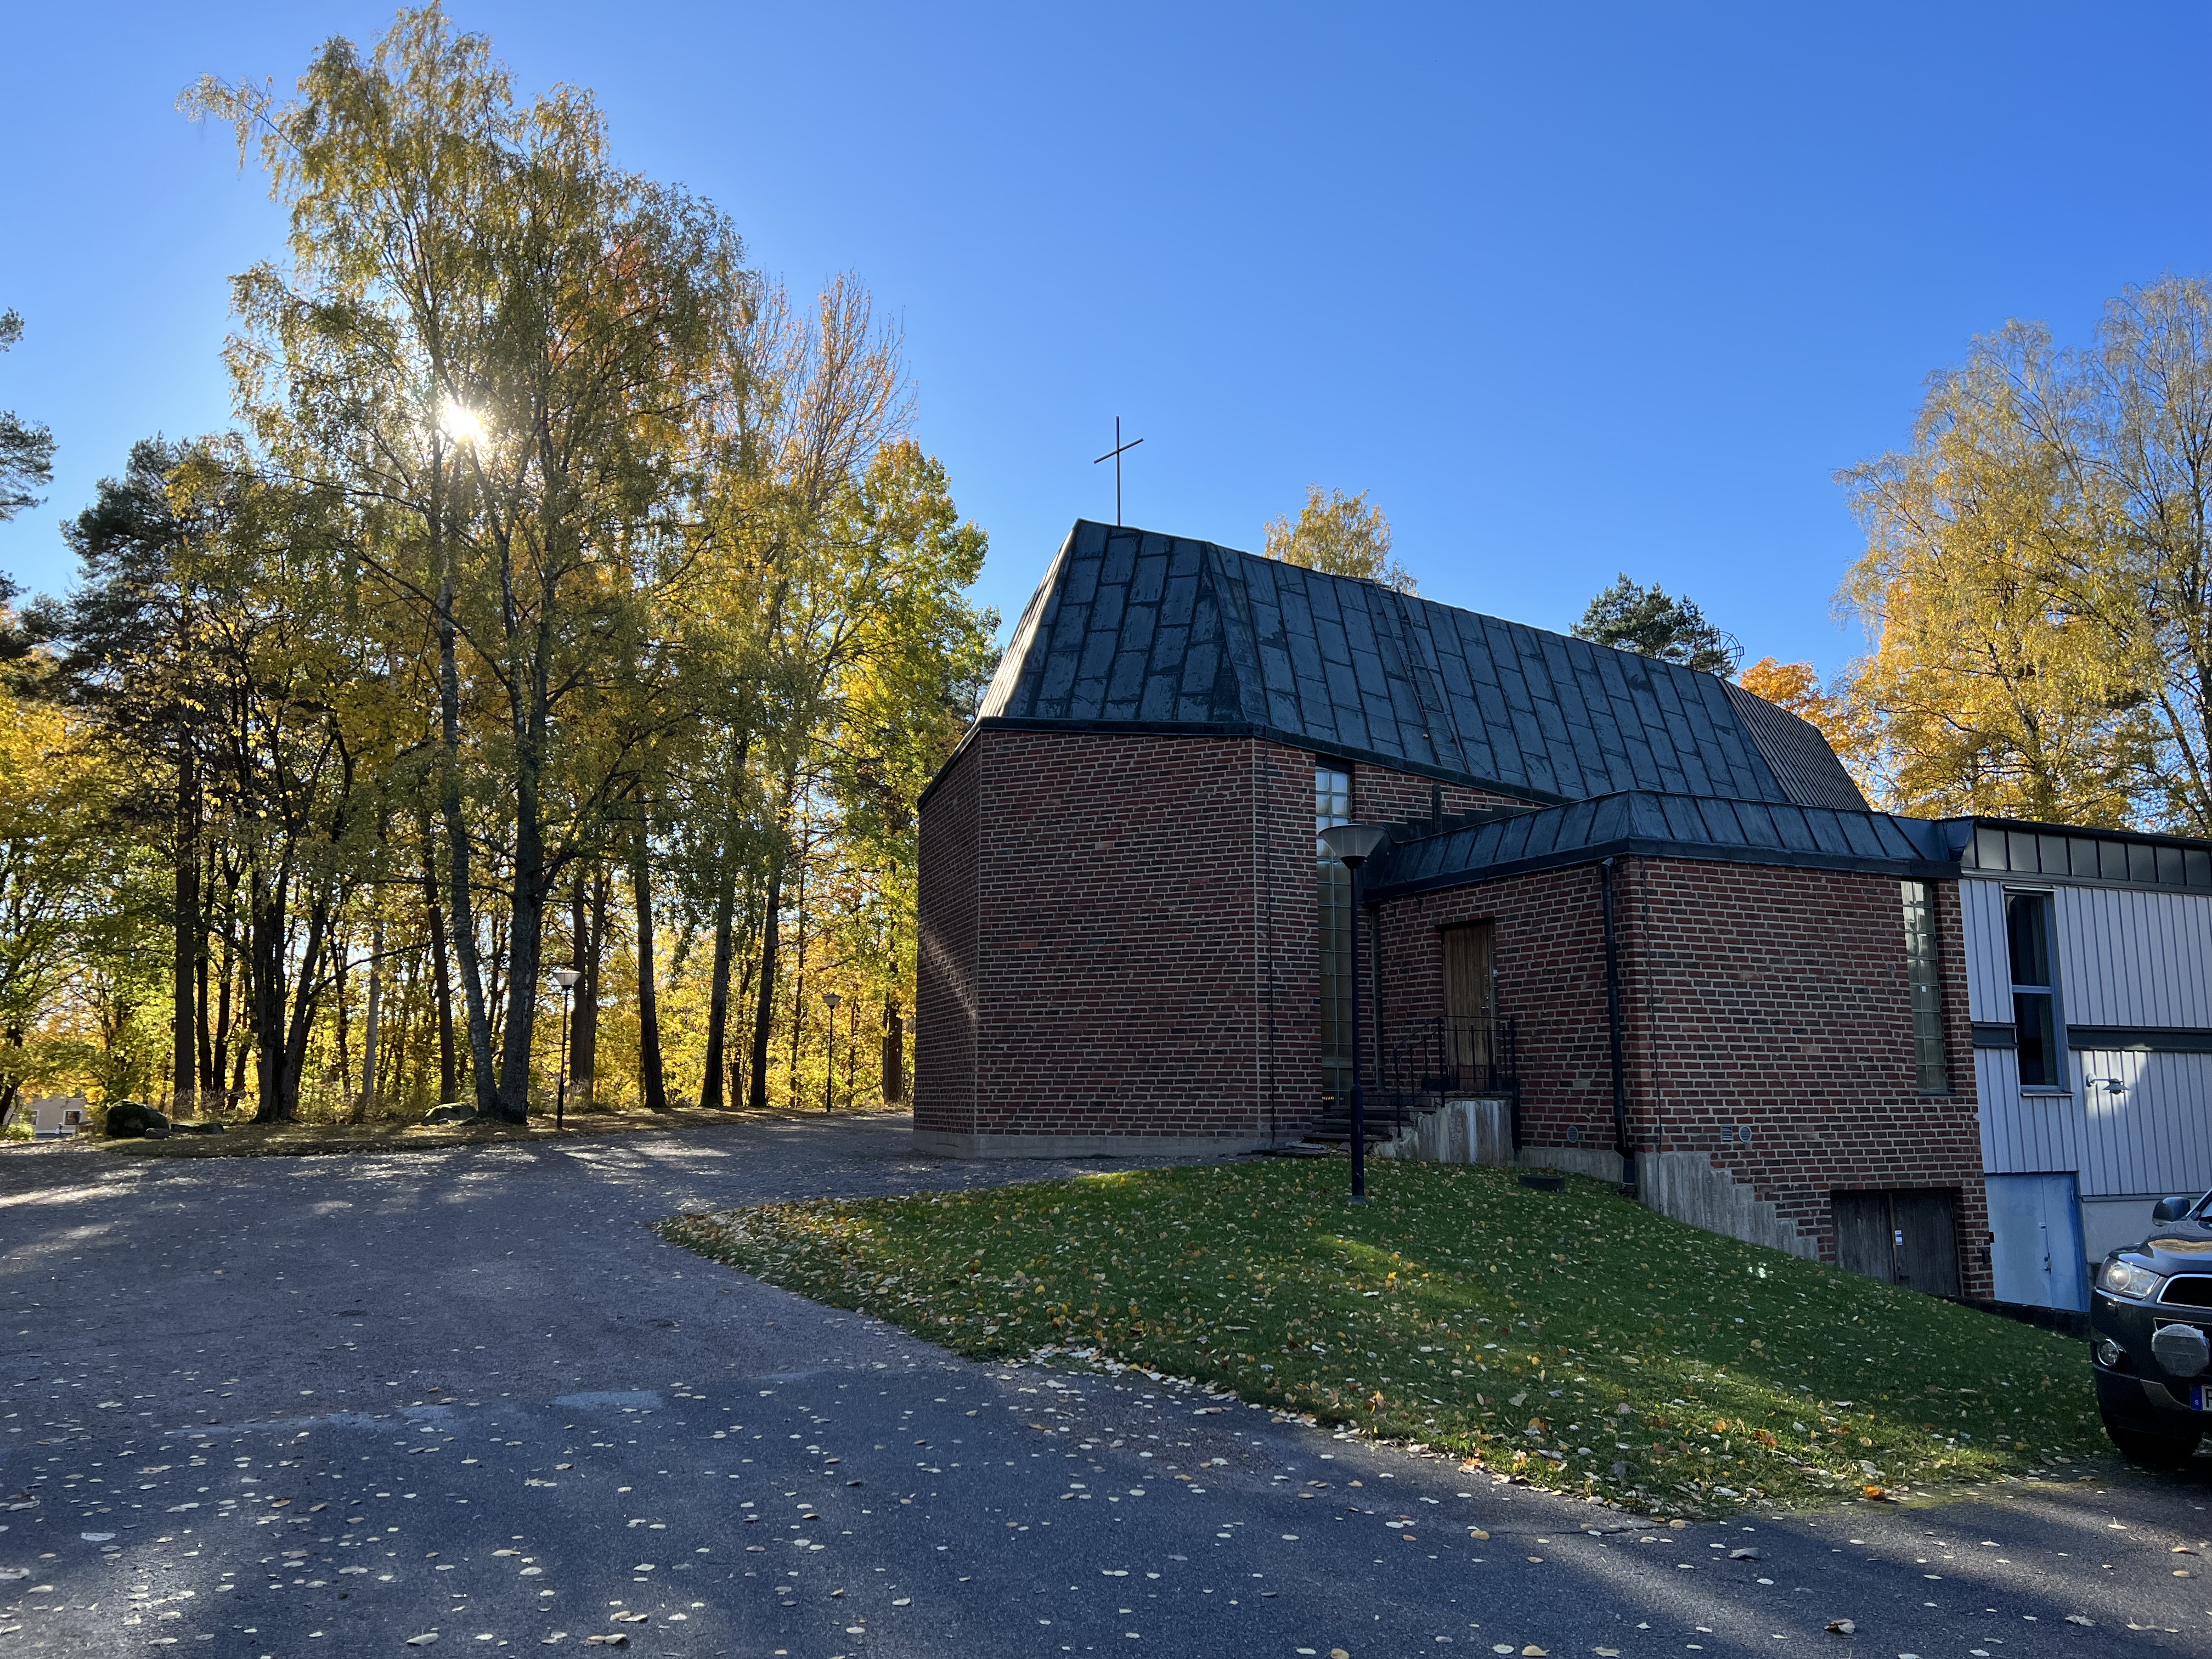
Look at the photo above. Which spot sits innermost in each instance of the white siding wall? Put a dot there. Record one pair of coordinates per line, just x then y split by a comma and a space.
2126, 959
2024, 1134
1989, 965
2155, 1137
2131, 958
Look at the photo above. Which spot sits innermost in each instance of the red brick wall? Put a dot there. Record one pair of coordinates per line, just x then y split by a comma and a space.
1548, 961
1382, 796
946, 988
1751, 995
1132, 896
1120, 934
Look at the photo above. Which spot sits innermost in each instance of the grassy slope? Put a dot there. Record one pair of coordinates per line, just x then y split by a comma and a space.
1536, 1332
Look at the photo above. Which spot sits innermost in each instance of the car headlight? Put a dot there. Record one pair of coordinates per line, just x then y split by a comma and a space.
2120, 1277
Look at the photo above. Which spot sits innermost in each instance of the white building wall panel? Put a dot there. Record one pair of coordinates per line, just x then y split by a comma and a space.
2153, 1134
1989, 969
2134, 958
2124, 957
2024, 1134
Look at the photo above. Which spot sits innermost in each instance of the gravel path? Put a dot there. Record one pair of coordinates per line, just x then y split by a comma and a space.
279, 1407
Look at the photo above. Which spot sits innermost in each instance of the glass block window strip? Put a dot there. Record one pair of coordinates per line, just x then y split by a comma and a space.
1333, 806
1924, 970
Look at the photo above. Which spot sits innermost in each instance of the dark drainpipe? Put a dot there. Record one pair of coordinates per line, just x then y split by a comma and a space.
1622, 1141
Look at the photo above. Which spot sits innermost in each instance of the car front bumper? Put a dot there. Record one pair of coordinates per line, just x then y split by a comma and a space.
2139, 1393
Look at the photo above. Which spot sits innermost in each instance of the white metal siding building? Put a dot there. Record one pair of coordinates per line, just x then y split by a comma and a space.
2089, 980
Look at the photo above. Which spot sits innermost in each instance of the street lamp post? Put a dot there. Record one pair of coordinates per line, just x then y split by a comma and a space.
829, 1079
566, 978
1353, 844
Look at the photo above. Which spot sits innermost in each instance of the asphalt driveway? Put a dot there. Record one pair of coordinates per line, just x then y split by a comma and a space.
282, 1407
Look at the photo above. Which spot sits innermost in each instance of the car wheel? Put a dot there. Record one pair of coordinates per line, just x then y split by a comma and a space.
2152, 1451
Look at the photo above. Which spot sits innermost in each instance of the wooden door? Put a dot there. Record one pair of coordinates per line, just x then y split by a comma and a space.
1927, 1240
1862, 1236
1467, 1002
1466, 971
1909, 1238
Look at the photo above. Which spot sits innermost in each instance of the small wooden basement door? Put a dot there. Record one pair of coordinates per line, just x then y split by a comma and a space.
1903, 1237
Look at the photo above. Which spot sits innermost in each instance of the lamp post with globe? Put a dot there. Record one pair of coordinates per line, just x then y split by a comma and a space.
566, 978
1353, 844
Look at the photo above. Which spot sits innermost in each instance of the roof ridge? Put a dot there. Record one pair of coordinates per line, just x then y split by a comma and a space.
1134, 630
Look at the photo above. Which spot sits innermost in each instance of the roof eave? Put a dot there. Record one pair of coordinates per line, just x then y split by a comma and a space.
1644, 846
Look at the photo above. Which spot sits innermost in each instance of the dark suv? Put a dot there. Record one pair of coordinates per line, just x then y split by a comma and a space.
2148, 1346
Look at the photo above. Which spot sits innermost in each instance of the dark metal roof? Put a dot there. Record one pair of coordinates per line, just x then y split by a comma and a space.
1646, 824
1135, 630
1800, 757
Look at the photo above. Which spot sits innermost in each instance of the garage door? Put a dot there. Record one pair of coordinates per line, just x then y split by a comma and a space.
1908, 1238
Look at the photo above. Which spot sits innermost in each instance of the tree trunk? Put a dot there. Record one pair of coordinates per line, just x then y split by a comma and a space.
449, 795
266, 932
301, 1024
764, 1008
218, 1066
185, 916
366, 1105
525, 941
650, 1073
738, 1050
591, 928
340, 971
442, 987
894, 1053
798, 979
718, 996
210, 1078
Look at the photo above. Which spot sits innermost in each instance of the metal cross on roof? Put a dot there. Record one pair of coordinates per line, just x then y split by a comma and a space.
1115, 455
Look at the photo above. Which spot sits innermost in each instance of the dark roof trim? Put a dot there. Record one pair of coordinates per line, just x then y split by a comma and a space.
1637, 846
1638, 823
1241, 729
1995, 849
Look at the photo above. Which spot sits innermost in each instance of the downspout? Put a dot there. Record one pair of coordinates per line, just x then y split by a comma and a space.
1622, 1141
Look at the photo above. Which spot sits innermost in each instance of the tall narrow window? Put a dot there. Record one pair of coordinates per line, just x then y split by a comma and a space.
1333, 806
1923, 970
2034, 996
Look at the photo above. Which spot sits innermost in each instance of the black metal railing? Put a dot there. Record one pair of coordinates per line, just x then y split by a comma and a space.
1426, 1062
1423, 1063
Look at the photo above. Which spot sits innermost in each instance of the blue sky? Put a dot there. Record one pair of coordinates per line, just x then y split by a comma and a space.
1571, 289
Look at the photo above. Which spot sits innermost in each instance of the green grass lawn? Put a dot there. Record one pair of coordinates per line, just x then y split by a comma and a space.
1573, 1338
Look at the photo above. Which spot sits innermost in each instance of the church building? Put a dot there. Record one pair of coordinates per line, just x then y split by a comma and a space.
1645, 911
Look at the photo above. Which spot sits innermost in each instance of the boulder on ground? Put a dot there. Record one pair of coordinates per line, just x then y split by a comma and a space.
130, 1120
